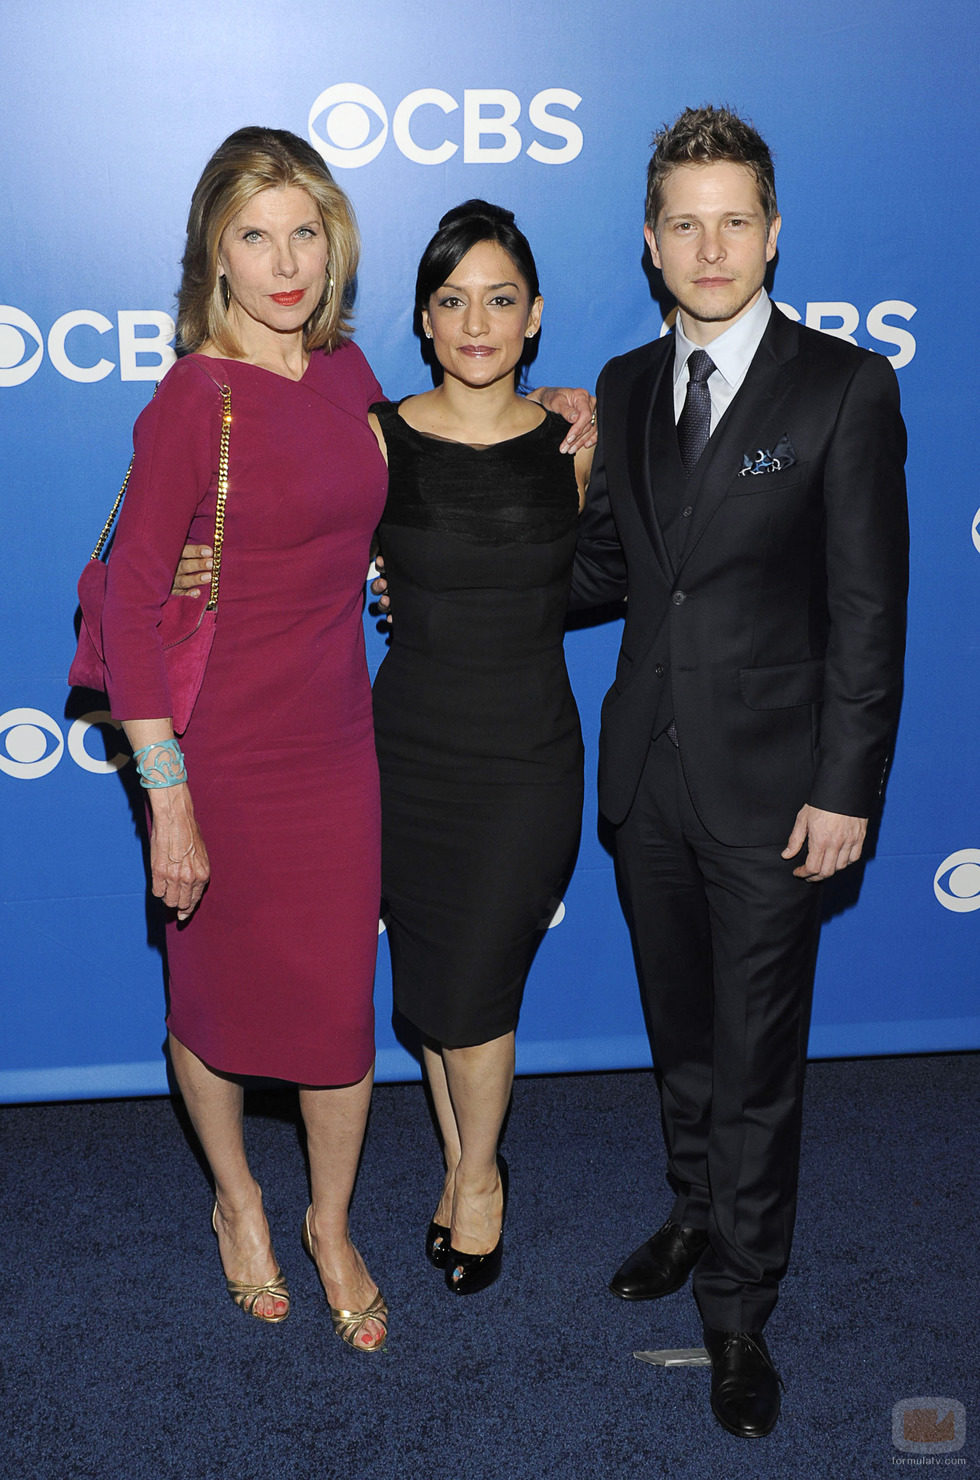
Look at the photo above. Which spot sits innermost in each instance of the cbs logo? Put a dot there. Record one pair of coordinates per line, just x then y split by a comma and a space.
957, 881
349, 125
842, 319
72, 351
31, 744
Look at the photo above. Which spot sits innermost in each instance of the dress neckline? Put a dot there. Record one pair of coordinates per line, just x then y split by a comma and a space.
250, 365
469, 446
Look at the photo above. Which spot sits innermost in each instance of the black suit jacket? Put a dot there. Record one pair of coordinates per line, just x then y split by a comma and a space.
781, 628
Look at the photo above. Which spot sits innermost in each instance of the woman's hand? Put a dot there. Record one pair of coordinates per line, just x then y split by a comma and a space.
577, 407
179, 867
194, 570
379, 586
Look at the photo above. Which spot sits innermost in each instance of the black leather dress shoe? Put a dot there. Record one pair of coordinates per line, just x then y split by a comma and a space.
661, 1265
744, 1383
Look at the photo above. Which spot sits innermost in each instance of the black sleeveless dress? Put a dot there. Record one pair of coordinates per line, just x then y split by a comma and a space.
477, 732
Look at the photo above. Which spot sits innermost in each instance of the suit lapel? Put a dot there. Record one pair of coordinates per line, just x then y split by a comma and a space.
642, 398
757, 406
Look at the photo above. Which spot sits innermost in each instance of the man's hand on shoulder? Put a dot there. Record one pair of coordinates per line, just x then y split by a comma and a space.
834, 841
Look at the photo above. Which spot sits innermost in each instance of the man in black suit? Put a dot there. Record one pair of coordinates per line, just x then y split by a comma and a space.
749, 501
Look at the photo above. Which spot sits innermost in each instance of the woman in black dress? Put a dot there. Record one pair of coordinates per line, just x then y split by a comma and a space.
476, 727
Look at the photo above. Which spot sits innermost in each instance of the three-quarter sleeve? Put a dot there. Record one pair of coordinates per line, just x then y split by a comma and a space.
174, 475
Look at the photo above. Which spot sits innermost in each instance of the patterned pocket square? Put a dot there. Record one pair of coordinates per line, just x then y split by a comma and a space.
764, 461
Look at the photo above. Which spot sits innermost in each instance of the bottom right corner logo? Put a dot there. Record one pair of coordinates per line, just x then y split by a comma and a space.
928, 1425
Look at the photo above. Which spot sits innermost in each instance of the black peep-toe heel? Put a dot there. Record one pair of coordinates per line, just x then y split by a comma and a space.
466, 1274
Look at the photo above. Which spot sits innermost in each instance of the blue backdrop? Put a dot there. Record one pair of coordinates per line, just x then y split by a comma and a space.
109, 114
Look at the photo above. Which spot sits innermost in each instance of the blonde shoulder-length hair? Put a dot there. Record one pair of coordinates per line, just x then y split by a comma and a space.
249, 161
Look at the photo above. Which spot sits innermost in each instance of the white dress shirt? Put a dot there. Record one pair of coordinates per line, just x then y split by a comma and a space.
731, 353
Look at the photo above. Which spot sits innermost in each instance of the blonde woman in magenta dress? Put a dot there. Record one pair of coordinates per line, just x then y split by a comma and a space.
265, 829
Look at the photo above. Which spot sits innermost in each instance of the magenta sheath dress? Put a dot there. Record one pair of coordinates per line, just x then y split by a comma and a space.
273, 974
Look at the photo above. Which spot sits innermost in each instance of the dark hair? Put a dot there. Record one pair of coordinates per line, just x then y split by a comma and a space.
707, 136
249, 161
463, 228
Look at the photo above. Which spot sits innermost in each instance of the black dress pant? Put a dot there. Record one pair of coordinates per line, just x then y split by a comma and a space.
725, 942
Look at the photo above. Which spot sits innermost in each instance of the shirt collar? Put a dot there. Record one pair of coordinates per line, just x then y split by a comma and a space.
732, 351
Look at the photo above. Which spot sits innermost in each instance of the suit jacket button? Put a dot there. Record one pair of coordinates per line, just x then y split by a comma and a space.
686, 513
659, 670
679, 598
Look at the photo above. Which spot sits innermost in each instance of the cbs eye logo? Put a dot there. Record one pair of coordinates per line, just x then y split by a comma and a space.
347, 114
17, 362
957, 881
31, 744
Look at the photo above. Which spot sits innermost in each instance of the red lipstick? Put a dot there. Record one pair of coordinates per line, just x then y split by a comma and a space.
286, 300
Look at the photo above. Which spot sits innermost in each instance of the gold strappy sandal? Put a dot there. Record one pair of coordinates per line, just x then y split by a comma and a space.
349, 1324
245, 1296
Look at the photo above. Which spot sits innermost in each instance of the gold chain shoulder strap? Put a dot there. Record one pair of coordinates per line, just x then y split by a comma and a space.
219, 512
107, 526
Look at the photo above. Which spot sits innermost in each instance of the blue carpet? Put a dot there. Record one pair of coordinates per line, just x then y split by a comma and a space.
124, 1359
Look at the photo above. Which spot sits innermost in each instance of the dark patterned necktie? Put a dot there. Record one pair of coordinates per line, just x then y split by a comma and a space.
694, 423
